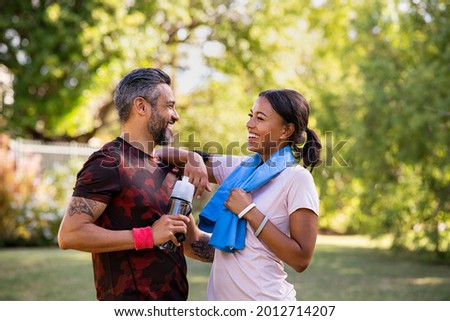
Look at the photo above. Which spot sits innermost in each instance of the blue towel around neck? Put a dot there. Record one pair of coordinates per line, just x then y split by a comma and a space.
228, 231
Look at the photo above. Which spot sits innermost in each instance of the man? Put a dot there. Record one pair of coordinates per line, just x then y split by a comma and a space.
117, 210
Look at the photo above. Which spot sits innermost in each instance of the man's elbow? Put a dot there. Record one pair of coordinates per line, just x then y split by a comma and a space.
64, 241
63, 245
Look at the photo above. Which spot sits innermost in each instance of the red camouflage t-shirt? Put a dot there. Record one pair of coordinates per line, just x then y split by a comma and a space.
137, 189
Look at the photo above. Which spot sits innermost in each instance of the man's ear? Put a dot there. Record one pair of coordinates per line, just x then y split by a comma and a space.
288, 131
141, 106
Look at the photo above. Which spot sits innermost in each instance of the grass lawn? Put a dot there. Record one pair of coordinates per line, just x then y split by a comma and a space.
343, 268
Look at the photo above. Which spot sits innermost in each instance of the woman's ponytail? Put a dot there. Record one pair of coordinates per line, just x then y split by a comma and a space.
311, 150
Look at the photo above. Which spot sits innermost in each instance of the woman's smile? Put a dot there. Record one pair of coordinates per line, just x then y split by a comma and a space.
252, 137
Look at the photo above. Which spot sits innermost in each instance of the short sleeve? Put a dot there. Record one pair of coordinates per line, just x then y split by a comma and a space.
223, 165
99, 178
302, 192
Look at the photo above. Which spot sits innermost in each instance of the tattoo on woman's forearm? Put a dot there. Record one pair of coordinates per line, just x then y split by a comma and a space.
80, 205
202, 249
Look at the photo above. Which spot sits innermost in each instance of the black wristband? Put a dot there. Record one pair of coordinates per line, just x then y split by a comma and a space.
205, 156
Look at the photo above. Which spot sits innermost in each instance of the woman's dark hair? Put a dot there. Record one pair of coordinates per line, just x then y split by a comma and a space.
294, 109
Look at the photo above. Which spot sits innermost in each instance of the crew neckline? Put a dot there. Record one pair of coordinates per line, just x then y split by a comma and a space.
151, 157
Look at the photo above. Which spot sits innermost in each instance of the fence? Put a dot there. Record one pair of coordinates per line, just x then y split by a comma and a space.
51, 153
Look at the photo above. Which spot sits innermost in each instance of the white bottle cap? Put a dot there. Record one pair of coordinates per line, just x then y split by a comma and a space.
183, 190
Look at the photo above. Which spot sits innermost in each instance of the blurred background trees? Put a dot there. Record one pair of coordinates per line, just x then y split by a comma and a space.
376, 74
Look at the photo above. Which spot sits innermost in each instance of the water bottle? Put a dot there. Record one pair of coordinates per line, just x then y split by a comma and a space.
180, 203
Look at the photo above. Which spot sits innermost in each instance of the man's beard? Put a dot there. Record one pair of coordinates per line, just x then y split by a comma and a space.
157, 127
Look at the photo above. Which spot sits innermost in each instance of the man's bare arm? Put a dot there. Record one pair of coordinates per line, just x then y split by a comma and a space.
199, 170
79, 232
79, 206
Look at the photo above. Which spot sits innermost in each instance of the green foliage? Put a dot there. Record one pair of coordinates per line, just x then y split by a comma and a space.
32, 202
375, 74
220, 129
18, 184
396, 55
48, 205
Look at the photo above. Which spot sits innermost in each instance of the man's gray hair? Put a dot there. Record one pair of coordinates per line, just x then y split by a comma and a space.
140, 82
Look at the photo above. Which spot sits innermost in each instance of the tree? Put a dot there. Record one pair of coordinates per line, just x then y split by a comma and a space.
67, 56
395, 54
374, 72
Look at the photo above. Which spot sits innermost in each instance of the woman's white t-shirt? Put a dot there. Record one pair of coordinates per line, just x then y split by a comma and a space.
255, 273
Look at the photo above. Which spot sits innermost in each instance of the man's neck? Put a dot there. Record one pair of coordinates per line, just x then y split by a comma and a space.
146, 144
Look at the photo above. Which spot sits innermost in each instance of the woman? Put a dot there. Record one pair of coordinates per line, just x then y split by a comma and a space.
265, 210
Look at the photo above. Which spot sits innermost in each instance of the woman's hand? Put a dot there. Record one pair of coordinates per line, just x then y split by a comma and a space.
238, 199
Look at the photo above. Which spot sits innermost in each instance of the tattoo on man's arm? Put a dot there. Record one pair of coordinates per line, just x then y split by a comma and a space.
202, 249
80, 205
